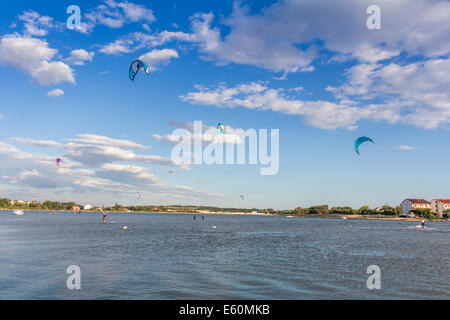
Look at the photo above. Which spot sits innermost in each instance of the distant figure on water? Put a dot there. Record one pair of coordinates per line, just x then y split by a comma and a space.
423, 223
203, 217
104, 217
194, 218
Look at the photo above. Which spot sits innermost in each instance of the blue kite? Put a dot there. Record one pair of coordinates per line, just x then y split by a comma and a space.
360, 141
135, 66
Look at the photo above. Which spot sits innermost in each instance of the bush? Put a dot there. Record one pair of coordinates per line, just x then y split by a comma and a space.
343, 210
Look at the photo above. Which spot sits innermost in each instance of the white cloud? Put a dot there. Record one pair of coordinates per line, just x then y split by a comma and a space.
158, 57
33, 56
117, 47
79, 57
321, 114
106, 141
38, 143
133, 12
404, 148
35, 24
55, 93
131, 174
96, 171
115, 14
283, 36
417, 93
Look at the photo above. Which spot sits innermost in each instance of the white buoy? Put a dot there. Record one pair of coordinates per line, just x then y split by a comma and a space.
214, 227
125, 228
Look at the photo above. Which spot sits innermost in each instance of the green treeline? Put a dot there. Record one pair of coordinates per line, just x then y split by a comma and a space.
35, 205
314, 210
364, 210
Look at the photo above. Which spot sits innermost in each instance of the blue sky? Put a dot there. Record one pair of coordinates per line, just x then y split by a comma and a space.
311, 69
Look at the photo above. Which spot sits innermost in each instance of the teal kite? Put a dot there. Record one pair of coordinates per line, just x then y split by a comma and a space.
220, 128
135, 66
360, 141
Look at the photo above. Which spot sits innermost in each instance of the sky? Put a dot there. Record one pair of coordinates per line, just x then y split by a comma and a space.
311, 69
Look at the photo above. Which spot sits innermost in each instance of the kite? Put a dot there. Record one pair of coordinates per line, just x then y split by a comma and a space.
220, 128
135, 66
360, 141
59, 162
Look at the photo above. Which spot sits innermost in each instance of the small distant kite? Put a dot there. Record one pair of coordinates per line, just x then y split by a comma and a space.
59, 162
135, 66
360, 141
242, 197
139, 194
220, 128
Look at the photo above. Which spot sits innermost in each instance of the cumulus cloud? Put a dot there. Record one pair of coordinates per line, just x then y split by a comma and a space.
55, 93
270, 38
115, 14
158, 57
415, 93
34, 56
35, 24
89, 169
79, 57
117, 47
286, 36
132, 174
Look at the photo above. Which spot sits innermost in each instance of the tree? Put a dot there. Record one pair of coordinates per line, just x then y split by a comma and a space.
300, 210
388, 210
364, 210
4, 203
446, 214
322, 209
343, 210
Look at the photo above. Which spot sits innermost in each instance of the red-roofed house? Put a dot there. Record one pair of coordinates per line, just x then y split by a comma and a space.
440, 205
409, 205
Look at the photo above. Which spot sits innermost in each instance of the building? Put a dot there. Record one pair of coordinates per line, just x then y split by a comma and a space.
76, 208
87, 207
440, 205
409, 205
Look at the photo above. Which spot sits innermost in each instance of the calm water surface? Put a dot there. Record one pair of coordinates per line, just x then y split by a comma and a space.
171, 256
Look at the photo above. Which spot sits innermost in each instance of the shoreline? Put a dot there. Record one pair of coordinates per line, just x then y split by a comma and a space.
315, 216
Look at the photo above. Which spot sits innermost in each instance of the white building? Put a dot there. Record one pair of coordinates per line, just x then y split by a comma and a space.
87, 207
440, 205
409, 205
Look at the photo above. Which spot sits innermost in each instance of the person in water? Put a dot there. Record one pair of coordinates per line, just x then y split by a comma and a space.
423, 223
104, 217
